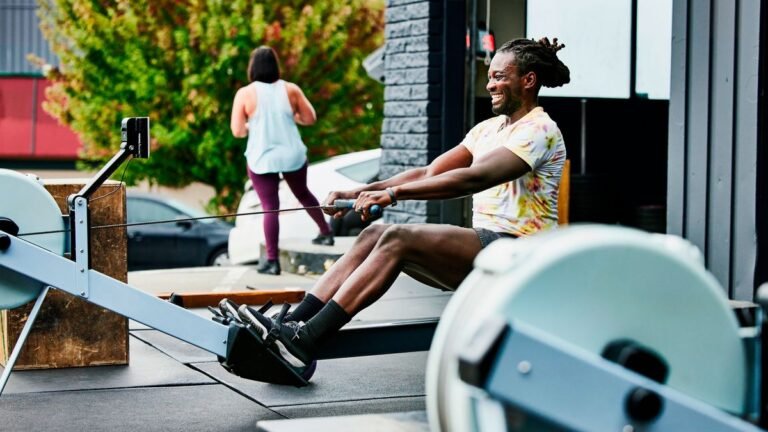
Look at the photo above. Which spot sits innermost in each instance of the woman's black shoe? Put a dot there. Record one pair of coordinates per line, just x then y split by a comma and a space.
271, 267
323, 239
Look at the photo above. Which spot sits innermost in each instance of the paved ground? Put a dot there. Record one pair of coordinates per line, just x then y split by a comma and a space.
170, 385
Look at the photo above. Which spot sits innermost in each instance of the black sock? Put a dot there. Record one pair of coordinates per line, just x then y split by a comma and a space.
328, 321
305, 310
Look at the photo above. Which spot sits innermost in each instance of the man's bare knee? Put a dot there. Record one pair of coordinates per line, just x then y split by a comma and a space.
372, 232
397, 237
374, 229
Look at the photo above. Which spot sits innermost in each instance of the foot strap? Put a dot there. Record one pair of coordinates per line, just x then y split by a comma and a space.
250, 357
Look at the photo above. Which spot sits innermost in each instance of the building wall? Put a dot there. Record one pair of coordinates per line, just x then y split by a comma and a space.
20, 36
410, 130
761, 268
27, 132
713, 127
424, 95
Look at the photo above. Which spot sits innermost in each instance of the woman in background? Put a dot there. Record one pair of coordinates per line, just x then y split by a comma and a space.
267, 111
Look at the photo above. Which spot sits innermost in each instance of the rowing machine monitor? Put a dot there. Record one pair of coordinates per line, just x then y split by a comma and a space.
134, 136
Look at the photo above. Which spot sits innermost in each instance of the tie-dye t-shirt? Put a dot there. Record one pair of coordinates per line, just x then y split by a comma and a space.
528, 204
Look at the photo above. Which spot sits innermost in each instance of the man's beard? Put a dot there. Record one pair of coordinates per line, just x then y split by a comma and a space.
508, 107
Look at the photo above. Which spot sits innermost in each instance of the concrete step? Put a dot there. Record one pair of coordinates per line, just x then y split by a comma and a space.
300, 256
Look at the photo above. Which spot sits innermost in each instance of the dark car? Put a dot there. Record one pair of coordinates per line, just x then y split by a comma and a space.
183, 243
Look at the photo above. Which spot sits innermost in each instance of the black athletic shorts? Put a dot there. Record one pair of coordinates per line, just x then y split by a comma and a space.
487, 236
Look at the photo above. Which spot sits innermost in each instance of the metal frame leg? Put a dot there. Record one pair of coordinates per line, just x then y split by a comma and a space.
22, 338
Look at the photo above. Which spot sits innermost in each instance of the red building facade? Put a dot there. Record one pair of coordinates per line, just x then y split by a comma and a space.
27, 132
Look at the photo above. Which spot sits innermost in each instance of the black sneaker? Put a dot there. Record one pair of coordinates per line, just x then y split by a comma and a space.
256, 319
323, 240
289, 338
261, 319
293, 344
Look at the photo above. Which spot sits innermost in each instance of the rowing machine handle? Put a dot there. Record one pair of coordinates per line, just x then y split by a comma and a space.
375, 209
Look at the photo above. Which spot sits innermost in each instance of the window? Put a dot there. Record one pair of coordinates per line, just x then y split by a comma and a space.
361, 172
597, 38
597, 34
654, 48
141, 210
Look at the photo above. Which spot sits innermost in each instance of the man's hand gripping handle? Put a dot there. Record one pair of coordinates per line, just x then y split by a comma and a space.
374, 211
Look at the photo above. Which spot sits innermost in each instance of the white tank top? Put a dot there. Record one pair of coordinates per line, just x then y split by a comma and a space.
274, 143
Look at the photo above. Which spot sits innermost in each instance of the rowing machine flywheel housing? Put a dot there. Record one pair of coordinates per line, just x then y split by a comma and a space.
26, 202
587, 287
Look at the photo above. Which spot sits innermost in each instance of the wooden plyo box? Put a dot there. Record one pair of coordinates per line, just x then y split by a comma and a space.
71, 332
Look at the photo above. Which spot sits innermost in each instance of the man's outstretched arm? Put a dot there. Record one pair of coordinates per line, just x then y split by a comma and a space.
498, 166
456, 158
495, 168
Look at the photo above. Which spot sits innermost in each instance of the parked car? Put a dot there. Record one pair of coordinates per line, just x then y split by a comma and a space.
341, 172
183, 243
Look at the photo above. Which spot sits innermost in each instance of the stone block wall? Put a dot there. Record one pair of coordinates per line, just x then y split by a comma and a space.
411, 131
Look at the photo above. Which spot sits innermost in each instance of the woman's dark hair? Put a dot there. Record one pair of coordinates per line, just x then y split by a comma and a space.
541, 58
263, 65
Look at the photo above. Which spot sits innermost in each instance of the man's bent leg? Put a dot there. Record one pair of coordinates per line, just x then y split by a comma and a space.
330, 282
445, 253
442, 253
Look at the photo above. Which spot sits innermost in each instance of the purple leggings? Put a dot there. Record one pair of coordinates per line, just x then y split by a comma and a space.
266, 187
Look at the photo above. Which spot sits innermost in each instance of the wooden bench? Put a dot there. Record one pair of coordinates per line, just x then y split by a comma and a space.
251, 297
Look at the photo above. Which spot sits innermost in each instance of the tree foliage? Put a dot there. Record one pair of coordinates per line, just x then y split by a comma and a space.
180, 62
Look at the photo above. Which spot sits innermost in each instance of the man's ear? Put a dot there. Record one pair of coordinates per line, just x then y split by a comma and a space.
530, 80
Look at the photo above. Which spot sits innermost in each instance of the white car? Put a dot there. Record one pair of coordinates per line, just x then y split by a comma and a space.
342, 172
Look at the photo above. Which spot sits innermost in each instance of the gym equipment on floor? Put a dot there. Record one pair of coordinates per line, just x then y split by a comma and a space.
30, 265
592, 328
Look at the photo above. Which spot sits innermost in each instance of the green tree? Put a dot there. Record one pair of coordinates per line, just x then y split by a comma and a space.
181, 62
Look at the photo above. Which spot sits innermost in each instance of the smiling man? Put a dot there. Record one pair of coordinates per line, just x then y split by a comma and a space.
511, 163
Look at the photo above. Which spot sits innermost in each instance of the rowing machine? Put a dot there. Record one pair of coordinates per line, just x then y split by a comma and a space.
592, 328
28, 269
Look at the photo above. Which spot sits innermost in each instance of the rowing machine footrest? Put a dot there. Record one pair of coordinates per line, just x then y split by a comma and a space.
249, 357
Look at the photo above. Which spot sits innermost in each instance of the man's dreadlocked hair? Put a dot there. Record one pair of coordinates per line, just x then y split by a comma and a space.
539, 57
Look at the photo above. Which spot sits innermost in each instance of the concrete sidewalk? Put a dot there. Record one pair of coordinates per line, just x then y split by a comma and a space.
215, 279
